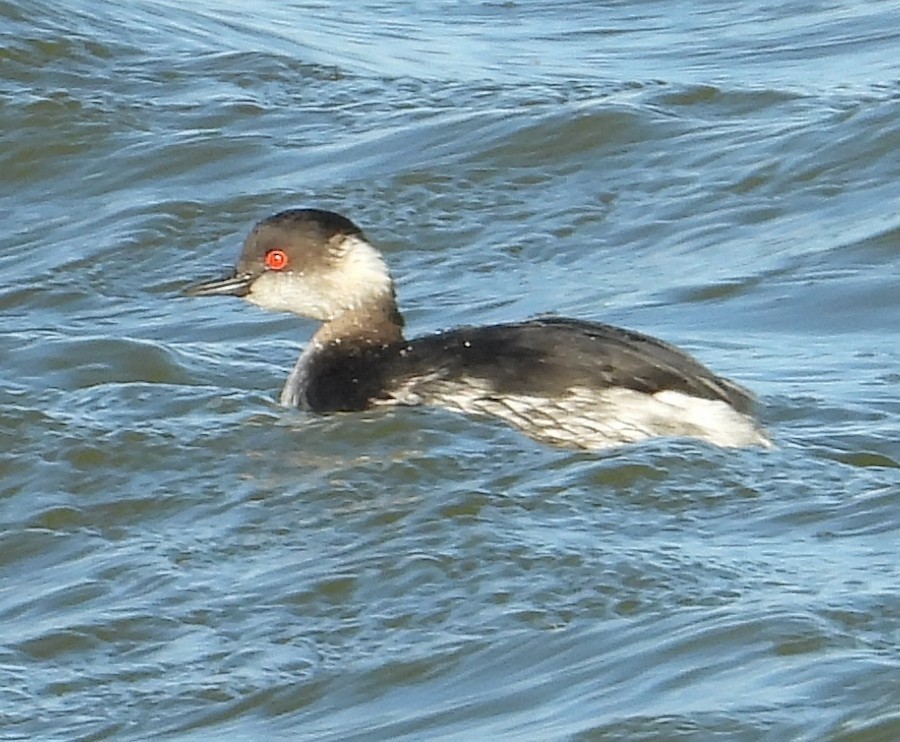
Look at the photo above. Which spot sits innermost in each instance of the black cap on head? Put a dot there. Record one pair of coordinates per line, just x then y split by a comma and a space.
327, 223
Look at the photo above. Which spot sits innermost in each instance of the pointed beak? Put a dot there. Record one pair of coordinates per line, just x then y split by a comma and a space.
234, 284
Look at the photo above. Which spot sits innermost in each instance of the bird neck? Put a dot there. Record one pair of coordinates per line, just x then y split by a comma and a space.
376, 322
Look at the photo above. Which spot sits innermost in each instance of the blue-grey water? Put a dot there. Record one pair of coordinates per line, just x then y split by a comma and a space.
181, 558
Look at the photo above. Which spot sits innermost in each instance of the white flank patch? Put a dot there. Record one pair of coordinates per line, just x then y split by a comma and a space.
595, 419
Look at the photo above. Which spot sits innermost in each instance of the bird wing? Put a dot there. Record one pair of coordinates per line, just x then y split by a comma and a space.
546, 357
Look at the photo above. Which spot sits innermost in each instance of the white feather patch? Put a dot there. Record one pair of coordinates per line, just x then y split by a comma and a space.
593, 419
354, 276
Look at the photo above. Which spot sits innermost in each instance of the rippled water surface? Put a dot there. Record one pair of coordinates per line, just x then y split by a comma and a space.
180, 558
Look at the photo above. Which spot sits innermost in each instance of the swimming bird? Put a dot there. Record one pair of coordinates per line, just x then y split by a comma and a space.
566, 382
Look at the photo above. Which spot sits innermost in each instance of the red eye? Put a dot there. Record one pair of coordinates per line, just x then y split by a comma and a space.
277, 260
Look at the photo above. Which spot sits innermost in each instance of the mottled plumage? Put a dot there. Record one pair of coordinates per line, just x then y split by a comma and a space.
562, 381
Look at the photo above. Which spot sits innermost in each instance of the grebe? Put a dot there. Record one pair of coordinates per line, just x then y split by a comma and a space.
561, 381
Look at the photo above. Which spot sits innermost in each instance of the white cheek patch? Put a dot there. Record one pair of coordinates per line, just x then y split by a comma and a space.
291, 292
354, 276
360, 272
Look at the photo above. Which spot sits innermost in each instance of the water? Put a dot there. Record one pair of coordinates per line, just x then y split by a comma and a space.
182, 559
